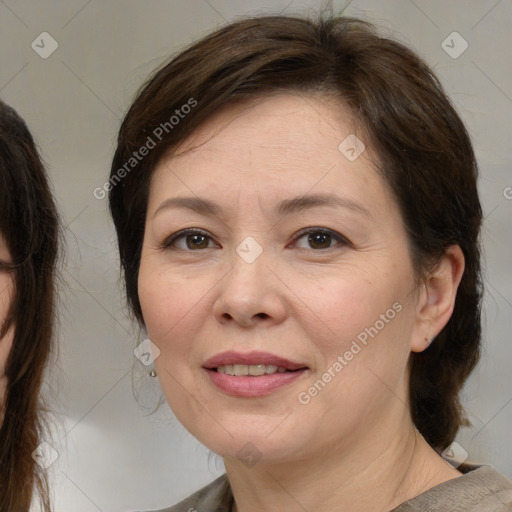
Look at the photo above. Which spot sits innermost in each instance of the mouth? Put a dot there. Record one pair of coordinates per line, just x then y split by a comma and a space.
254, 370
254, 364
253, 374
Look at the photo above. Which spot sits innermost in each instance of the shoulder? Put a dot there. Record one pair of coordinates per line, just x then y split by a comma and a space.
215, 497
479, 489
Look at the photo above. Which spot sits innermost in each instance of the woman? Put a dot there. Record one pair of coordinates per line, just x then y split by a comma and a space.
298, 220
28, 252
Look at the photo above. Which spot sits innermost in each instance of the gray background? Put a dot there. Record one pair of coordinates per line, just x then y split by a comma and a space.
113, 455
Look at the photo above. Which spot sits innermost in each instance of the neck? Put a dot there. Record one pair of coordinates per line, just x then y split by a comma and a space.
375, 476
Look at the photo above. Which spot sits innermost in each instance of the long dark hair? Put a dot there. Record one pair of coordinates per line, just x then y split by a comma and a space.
423, 149
30, 227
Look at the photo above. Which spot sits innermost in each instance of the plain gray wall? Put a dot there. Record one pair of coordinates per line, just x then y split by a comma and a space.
112, 456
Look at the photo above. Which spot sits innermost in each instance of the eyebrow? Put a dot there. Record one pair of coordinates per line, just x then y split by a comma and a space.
196, 204
304, 202
284, 207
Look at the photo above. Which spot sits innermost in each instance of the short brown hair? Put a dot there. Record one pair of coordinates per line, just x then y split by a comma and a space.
30, 227
423, 149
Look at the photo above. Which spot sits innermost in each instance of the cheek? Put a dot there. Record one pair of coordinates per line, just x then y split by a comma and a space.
172, 305
368, 323
341, 308
361, 326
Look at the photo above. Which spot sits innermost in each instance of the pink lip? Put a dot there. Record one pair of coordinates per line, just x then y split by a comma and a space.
232, 357
249, 386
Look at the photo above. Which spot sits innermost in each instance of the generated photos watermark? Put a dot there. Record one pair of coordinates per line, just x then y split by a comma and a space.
152, 141
44, 45
455, 454
343, 360
45, 455
146, 352
249, 455
352, 147
454, 45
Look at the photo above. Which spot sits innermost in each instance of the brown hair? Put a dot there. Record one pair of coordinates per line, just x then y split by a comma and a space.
422, 147
29, 225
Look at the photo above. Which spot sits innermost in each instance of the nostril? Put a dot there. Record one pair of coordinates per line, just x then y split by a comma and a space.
243, 319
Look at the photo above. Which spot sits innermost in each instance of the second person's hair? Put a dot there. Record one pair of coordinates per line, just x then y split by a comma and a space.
30, 227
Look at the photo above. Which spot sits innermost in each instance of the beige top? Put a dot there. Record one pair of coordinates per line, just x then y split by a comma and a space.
479, 489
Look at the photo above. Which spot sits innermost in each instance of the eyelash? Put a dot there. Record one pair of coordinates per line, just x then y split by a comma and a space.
168, 242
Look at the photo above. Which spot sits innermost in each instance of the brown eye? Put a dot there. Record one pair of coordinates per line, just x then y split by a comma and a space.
319, 240
197, 241
189, 240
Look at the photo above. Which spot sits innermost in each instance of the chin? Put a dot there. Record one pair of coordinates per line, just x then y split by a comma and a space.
259, 442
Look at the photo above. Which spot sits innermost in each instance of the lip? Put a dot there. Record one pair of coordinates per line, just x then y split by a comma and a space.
249, 358
249, 386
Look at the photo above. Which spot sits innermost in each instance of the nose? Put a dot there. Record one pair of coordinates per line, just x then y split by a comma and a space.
250, 295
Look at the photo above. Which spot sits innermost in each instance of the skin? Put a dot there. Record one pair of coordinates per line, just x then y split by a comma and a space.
353, 447
6, 289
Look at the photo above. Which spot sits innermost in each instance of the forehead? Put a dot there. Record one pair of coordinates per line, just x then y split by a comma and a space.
282, 145
283, 122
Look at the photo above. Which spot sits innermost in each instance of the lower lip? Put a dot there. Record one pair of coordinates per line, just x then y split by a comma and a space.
247, 386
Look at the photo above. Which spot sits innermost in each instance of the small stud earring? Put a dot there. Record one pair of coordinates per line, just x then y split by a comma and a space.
152, 373
429, 340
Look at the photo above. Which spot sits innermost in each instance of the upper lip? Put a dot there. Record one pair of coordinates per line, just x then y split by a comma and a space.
250, 358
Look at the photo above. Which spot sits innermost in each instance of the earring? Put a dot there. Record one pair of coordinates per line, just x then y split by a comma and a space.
152, 373
429, 340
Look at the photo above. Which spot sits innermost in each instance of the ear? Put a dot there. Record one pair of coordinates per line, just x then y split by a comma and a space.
437, 298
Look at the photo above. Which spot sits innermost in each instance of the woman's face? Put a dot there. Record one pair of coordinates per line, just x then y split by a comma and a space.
298, 260
6, 291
